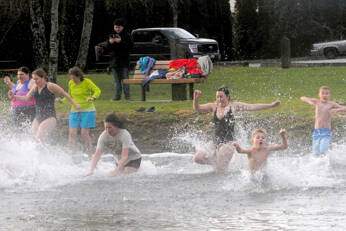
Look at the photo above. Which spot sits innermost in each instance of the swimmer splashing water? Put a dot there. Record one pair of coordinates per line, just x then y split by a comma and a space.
219, 152
45, 118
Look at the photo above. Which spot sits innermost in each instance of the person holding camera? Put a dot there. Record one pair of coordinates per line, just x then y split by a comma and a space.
120, 45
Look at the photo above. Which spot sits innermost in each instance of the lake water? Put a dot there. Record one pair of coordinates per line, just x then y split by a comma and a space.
42, 187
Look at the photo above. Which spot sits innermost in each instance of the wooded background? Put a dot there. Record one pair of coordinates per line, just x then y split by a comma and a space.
58, 34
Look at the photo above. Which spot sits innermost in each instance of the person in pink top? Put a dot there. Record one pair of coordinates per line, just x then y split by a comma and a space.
23, 113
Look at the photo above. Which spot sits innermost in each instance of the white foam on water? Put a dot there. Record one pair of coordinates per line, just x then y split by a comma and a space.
27, 165
171, 163
293, 171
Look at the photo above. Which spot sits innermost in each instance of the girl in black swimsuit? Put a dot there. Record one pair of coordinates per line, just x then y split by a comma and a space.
44, 94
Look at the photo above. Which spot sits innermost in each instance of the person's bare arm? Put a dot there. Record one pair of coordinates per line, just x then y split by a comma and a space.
8, 81
281, 146
56, 89
240, 150
94, 161
240, 106
340, 116
334, 112
122, 161
201, 108
24, 98
311, 101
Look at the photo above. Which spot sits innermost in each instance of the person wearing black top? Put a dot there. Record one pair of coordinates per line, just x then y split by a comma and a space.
120, 45
219, 152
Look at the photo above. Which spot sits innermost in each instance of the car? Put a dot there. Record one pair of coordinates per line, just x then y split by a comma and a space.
329, 49
158, 42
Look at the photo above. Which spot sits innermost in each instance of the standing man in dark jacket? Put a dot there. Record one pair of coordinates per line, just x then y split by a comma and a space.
120, 45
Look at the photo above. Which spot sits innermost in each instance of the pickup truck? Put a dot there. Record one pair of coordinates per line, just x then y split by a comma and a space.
156, 43
329, 49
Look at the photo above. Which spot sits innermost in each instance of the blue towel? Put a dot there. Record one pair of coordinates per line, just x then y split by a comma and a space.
145, 64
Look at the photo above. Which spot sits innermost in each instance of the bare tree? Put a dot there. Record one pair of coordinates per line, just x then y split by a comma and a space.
62, 28
40, 51
86, 32
174, 6
53, 41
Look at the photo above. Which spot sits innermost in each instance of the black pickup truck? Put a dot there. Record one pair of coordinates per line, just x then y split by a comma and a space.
157, 43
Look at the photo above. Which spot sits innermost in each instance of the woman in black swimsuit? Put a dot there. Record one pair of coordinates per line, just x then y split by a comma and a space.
220, 151
44, 94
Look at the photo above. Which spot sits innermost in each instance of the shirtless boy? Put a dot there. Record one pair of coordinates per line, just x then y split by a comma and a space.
323, 114
258, 154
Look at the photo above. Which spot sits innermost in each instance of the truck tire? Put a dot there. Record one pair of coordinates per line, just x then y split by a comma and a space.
330, 53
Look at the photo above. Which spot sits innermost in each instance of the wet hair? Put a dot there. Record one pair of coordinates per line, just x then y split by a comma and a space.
324, 88
119, 22
225, 90
258, 131
114, 120
41, 73
25, 70
76, 71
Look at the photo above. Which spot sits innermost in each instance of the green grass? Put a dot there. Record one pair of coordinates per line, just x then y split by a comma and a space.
252, 85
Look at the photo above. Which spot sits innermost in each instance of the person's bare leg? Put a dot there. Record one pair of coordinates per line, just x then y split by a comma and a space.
72, 135
34, 127
223, 156
205, 154
45, 128
128, 170
201, 157
86, 139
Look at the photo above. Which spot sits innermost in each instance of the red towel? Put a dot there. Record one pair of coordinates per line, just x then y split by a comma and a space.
189, 64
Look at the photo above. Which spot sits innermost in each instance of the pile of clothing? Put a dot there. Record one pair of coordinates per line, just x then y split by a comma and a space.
180, 68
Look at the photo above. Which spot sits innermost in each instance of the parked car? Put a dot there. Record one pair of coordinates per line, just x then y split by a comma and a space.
329, 49
156, 43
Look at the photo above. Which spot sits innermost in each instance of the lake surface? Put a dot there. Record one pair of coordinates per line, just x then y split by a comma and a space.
42, 187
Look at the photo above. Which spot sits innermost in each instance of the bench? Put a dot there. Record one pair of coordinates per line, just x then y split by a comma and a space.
178, 85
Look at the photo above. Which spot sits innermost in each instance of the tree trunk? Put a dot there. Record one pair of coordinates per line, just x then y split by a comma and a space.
174, 6
86, 32
39, 45
53, 42
62, 28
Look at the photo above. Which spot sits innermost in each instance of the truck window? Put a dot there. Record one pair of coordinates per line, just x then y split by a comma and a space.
178, 34
146, 36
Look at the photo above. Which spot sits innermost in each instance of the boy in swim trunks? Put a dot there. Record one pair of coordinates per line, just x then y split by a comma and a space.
323, 114
258, 154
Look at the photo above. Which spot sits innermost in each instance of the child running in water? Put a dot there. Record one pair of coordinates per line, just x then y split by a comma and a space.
258, 154
323, 114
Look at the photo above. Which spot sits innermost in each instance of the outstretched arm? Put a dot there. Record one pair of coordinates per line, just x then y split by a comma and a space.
334, 112
94, 161
56, 89
240, 106
311, 101
8, 81
340, 116
281, 146
121, 163
24, 98
240, 150
201, 108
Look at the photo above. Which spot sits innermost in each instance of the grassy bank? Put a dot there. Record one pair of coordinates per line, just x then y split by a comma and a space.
252, 85
246, 84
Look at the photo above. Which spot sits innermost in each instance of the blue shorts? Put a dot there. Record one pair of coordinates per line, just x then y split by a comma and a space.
320, 140
82, 119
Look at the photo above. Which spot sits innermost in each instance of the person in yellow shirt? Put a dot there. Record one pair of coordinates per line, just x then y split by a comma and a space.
84, 92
